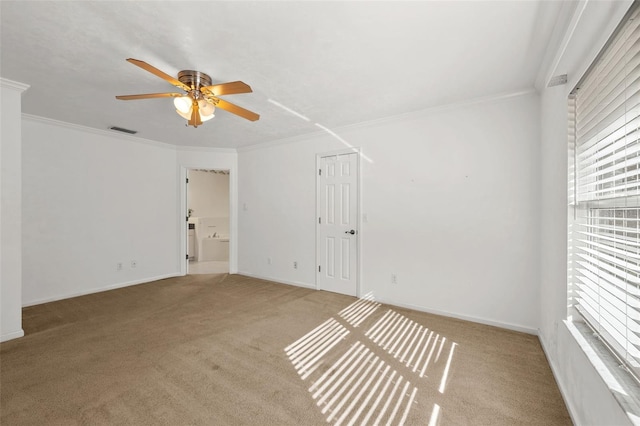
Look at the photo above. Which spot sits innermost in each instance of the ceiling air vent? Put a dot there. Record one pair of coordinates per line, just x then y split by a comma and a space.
557, 80
123, 130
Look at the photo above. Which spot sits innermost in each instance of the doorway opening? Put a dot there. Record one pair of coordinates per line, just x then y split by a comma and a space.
207, 221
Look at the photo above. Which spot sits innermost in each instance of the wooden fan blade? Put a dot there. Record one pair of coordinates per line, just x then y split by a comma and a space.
227, 88
149, 96
195, 120
235, 109
155, 71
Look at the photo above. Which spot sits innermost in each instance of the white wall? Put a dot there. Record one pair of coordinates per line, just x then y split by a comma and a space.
10, 210
92, 200
588, 399
451, 199
208, 194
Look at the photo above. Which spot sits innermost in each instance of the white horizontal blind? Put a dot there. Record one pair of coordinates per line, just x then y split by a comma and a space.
605, 235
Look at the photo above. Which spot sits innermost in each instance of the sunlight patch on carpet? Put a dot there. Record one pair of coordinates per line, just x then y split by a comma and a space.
306, 353
360, 310
365, 377
409, 342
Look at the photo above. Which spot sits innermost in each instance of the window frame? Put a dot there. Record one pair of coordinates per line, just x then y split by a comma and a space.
581, 211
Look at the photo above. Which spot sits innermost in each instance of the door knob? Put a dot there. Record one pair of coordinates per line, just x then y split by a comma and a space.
350, 232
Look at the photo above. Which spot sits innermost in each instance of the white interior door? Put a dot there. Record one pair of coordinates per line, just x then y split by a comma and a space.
337, 223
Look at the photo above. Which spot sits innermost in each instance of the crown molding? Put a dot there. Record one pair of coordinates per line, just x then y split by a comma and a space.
391, 119
277, 142
113, 134
294, 139
567, 31
425, 112
5, 83
566, 23
206, 149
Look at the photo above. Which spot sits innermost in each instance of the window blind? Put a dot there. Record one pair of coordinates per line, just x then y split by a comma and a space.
604, 182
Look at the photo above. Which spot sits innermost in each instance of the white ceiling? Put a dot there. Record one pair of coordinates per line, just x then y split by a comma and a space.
335, 63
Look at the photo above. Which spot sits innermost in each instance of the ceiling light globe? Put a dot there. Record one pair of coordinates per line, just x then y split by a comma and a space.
206, 108
185, 115
182, 104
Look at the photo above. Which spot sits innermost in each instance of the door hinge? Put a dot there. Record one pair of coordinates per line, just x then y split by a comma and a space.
319, 172
320, 220
187, 257
186, 218
319, 268
187, 180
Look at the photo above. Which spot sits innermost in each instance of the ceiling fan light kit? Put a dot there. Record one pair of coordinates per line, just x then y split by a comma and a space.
201, 98
184, 108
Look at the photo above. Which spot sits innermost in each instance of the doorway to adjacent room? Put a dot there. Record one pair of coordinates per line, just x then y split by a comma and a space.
207, 221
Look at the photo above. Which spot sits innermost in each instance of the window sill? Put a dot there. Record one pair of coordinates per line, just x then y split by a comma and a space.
623, 386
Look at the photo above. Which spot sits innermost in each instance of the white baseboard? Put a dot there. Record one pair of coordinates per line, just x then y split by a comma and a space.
505, 325
508, 326
98, 290
277, 280
12, 335
561, 387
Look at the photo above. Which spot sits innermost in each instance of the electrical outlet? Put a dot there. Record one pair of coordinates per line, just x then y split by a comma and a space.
268, 261
134, 264
394, 279
295, 264
119, 266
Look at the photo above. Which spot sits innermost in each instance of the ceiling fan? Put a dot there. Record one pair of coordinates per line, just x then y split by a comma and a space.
201, 98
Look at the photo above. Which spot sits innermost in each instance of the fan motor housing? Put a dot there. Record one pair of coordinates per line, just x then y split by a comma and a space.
194, 79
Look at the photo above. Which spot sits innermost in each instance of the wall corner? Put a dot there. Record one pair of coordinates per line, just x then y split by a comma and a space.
11, 209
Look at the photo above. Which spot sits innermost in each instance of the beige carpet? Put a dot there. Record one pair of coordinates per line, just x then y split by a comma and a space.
231, 350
